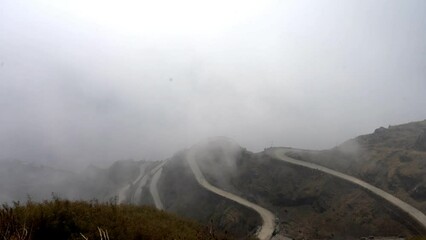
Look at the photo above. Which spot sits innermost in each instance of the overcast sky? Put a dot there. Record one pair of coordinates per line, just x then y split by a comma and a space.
89, 81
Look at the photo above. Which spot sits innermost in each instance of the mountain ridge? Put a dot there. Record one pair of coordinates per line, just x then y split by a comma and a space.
306, 203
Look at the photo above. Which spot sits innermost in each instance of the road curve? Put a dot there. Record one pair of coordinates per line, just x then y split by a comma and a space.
267, 217
135, 198
156, 173
123, 192
413, 212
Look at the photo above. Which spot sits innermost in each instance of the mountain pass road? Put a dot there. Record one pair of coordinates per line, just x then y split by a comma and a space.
280, 153
268, 218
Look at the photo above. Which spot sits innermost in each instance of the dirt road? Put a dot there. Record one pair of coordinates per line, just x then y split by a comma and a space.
268, 218
124, 191
279, 153
156, 173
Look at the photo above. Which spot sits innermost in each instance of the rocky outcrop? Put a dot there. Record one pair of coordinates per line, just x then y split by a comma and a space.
380, 130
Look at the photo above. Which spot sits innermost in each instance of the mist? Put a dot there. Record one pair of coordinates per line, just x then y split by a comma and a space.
98, 82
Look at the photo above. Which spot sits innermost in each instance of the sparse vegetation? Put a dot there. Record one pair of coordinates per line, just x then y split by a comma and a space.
308, 204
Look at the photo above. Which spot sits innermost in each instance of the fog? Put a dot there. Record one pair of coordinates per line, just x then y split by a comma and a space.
100, 81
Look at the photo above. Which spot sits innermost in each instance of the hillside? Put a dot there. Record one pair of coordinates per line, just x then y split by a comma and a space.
392, 158
182, 195
306, 203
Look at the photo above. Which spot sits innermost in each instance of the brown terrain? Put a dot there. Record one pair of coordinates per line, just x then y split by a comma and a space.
393, 159
307, 204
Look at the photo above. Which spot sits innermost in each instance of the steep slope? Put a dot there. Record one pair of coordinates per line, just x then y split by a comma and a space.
392, 159
407, 209
182, 195
268, 219
307, 203
310, 204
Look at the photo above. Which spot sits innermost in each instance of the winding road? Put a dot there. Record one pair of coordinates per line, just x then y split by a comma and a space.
123, 192
268, 218
280, 153
153, 189
138, 192
137, 185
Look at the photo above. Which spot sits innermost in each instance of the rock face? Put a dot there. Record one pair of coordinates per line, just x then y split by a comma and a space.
421, 141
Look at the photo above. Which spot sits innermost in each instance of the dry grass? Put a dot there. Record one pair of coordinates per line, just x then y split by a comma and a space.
62, 219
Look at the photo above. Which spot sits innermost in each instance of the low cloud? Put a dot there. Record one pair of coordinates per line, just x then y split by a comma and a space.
308, 75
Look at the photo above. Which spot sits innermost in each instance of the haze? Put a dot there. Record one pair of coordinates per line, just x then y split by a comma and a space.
99, 81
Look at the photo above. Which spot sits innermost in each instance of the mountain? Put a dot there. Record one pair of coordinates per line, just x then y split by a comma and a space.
281, 192
307, 204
